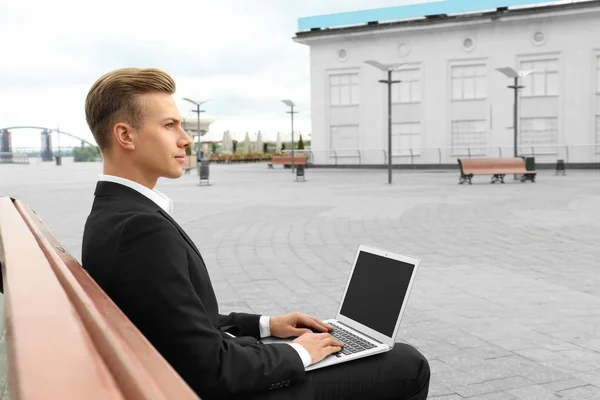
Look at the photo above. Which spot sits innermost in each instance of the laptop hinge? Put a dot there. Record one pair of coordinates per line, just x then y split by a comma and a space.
362, 333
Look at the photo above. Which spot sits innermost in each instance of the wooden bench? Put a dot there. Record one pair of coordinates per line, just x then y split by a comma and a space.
287, 160
497, 167
66, 339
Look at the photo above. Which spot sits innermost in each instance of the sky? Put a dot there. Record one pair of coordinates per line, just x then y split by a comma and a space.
238, 53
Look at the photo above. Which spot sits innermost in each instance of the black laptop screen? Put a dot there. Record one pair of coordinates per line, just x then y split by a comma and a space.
376, 292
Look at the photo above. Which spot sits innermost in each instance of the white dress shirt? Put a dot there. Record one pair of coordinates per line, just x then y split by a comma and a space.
166, 204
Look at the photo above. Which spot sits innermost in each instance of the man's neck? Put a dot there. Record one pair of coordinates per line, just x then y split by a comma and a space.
129, 173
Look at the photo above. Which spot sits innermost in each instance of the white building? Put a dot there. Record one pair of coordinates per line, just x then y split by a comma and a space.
452, 101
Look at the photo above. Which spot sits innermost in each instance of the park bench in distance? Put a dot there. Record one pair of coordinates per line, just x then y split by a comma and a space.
497, 167
287, 161
66, 339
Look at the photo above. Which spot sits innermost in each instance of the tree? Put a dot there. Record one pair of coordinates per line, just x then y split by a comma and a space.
234, 142
84, 154
300, 143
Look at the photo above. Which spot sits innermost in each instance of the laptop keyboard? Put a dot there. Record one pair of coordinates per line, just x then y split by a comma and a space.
352, 343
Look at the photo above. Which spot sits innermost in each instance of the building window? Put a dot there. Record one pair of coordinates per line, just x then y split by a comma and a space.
344, 137
468, 137
468, 82
543, 81
406, 136
344, 89
539, 132
409, 88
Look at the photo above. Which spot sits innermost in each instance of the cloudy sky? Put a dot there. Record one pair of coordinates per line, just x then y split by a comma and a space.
239, 53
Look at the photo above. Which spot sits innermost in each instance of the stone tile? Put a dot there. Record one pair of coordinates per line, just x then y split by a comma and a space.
584, 392
536, 392
494, 396
436, 390
462, 361
565, 384
454, 378
437, 366
491, 386
592, 376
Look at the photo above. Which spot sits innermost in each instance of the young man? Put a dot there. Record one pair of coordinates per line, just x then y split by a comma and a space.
153, 271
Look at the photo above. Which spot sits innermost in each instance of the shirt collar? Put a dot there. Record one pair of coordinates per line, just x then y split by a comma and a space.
162, 200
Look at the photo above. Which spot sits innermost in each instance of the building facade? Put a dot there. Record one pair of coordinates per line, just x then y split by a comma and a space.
451, 101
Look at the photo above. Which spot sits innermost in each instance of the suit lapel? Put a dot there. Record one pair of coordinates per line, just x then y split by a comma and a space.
182, 232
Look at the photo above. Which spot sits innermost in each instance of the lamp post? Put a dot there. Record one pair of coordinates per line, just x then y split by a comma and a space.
59, 157
514, 74
290, 104
198, 111
389, 68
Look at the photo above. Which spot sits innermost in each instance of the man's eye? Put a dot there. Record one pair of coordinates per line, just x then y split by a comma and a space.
169, 125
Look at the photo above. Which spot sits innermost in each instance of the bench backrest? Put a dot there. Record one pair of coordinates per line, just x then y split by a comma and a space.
299, 159
66, 339
491, 164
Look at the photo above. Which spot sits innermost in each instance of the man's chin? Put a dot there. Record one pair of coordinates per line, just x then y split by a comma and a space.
174, 174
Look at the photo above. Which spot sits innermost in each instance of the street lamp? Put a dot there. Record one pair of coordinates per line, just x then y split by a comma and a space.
290, 104
59, 157
514, 74
389, 68
198, 111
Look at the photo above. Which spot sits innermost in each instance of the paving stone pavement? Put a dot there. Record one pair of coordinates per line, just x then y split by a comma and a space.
506, 304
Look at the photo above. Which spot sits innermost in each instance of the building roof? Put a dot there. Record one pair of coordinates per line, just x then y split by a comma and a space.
427, 14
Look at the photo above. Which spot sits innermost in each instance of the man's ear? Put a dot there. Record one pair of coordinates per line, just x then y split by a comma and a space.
124, 136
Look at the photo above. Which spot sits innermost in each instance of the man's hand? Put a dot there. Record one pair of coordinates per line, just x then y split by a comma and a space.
296, 324
319, 345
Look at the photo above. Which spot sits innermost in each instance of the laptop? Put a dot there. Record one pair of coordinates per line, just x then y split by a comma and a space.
368, 318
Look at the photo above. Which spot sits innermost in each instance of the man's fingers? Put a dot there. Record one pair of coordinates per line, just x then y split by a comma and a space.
300, 331
330, 340
311, 322
326, 327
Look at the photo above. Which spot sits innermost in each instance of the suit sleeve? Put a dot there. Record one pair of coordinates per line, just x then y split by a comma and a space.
153, 288
245, 324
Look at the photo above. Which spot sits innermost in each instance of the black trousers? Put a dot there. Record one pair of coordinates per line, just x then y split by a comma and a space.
401, 373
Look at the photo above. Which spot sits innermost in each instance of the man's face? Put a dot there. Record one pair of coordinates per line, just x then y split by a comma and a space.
160, 143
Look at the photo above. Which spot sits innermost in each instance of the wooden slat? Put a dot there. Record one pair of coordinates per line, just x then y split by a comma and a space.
287, 160
491, 166
50, 354
139, 369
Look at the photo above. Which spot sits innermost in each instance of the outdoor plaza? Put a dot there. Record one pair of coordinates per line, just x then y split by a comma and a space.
506, 303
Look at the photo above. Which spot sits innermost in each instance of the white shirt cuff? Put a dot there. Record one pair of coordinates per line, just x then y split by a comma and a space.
303, 353
264, 326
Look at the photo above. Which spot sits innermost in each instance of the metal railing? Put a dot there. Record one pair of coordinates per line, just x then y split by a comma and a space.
586, 153
14, 158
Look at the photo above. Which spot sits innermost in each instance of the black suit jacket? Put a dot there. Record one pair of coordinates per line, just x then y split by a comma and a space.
153, 271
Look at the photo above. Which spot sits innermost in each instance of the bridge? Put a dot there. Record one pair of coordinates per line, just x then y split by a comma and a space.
6, 149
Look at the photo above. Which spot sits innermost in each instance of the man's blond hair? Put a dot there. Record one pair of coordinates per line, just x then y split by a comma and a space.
115, 98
